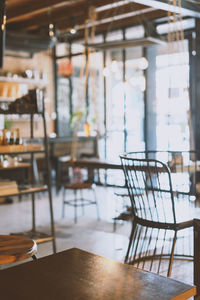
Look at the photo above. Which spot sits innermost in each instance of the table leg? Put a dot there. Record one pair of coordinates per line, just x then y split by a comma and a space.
197, 257
90, 175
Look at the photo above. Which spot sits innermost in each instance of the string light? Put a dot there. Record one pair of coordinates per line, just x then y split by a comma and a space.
73, 30
51, 30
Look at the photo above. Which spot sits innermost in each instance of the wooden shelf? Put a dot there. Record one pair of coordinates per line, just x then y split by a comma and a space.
22, 152
31, 190
21, 149
37, 82
12, 166
7, 99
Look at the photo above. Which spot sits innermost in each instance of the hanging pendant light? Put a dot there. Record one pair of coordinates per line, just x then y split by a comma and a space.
65, 68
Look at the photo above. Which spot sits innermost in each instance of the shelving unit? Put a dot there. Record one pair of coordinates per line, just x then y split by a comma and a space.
10, 86
33, 188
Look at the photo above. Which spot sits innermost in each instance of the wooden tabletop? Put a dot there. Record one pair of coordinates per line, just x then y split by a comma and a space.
97, 163
78, 275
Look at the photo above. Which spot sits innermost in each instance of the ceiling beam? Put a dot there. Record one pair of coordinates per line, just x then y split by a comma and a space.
120, 24
187, 8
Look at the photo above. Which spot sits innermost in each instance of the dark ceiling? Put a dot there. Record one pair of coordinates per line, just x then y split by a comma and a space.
31, 18
34, 16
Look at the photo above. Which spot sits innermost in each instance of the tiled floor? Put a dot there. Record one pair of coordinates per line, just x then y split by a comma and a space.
88, 234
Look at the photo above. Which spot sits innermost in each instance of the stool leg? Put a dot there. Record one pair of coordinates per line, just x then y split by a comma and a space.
63, 204
75, 206
82, 202
114, 225
34, 257
97, 207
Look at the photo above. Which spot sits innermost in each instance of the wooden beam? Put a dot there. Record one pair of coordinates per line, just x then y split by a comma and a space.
21, 11
73, 14
21, 8
187, 8
2, 31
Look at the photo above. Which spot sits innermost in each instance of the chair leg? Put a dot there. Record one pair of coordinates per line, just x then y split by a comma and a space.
75, 206
130, 241
82, 202
172, 255
97, 206
63, 204
34, 257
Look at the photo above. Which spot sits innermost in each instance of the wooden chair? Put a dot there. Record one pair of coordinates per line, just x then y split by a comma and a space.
158, 222
79, 202
15, 248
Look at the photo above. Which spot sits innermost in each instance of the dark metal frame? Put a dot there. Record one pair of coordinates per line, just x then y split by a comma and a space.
33, 233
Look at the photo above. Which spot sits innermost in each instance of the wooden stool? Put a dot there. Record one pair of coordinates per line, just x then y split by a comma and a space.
15, 248
76, 202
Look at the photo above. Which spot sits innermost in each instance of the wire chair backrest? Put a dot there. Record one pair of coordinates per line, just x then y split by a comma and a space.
150, 189
182, 164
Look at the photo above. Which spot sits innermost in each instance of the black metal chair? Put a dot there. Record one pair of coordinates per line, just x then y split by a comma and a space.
157, 220
123, 211
184, 167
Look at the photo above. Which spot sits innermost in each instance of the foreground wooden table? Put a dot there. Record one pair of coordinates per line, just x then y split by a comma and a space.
76, 274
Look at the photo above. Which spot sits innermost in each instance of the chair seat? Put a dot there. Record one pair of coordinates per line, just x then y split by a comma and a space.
79, 186
15, 248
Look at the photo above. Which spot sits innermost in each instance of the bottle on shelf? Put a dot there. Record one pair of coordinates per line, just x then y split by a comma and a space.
17, 141
12, 137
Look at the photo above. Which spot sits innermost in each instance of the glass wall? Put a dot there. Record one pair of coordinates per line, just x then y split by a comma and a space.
172, 82
118, 114
75, 100
125, 102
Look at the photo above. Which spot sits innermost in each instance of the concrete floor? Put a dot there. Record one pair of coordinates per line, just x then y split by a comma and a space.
88, 234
